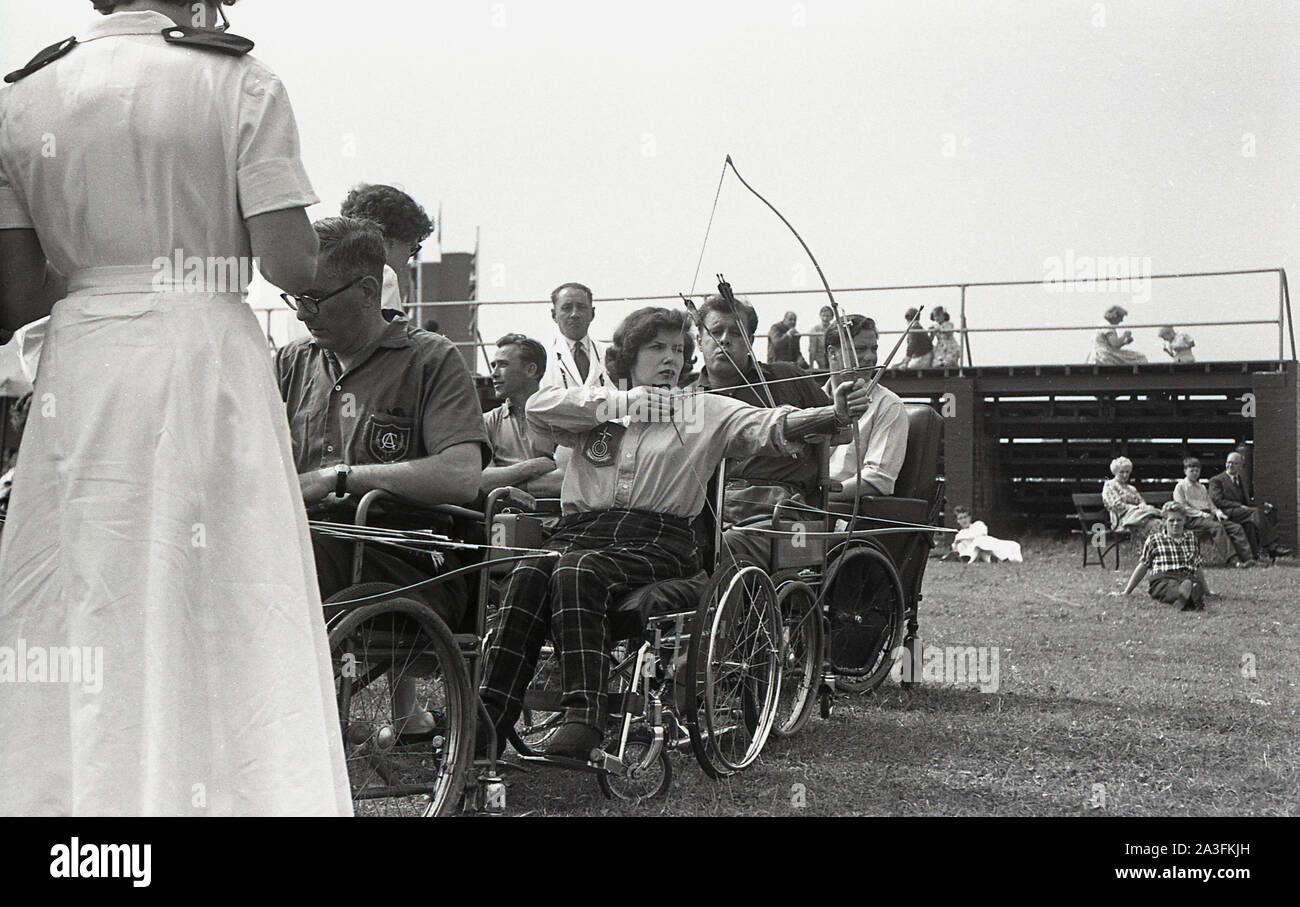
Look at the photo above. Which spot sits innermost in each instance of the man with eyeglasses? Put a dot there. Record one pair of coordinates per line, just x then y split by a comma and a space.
380, 404
405, 226
574, 358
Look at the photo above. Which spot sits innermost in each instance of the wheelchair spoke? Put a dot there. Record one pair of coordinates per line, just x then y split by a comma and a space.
398, 653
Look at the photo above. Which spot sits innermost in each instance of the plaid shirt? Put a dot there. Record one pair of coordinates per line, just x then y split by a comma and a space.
1165, 554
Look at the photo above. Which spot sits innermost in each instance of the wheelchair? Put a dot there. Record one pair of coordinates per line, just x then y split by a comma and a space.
695, 663
849, 599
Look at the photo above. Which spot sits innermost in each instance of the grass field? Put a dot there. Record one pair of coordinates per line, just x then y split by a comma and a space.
1104, 706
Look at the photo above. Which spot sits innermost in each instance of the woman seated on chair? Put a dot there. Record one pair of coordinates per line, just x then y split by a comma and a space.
641, 459
1127, 508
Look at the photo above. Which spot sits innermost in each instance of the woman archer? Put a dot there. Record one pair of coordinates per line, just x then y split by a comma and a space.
634, 484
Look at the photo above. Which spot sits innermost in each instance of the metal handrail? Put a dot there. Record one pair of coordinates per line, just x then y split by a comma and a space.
1284, 322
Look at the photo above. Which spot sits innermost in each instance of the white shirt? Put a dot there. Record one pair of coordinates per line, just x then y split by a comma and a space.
139, 199
561, 371
883, 433
392, 294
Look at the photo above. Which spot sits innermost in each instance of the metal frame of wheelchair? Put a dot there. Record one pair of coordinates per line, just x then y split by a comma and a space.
850, 599
715, 665
703, 673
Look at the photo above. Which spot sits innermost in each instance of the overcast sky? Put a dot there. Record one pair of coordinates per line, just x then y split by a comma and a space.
909, 142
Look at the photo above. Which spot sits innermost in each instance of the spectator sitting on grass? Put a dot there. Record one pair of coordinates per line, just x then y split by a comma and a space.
973, 542
1172, 553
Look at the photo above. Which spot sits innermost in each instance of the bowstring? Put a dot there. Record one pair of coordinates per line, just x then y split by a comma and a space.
708, 228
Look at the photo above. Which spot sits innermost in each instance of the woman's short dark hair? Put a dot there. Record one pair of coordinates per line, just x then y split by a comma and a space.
399, 216
350, 247
637, 330
742, 311
529, 350
1190, 461
108, 6
961, 508
937, 311
857, 324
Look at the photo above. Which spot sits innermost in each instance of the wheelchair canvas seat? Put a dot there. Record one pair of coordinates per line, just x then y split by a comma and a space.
629, 614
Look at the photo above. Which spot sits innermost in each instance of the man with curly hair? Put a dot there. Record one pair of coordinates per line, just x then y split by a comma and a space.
405, 226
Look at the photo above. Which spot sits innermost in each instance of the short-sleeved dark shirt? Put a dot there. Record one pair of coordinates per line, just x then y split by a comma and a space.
918, 341
805, 392
411, 398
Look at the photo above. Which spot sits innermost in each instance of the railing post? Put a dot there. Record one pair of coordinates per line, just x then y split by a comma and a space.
1281, 317
965, 337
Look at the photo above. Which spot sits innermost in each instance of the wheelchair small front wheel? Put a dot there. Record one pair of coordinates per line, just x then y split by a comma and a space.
648, 783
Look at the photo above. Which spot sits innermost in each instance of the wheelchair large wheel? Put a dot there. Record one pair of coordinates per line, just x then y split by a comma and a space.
865, 611
734, 669
374, 648
802, 640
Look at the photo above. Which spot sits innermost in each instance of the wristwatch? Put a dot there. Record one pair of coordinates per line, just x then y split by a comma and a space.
341, 473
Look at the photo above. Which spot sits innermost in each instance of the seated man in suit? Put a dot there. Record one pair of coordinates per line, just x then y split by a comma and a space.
1233, 494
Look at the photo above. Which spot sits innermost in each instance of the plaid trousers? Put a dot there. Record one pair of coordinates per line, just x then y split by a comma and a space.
604, 555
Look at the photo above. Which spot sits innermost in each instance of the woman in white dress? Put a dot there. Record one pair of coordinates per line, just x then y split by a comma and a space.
973, 542
1108, 344
156, 521
947, 348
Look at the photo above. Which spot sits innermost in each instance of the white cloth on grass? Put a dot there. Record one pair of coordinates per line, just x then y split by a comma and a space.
969, 542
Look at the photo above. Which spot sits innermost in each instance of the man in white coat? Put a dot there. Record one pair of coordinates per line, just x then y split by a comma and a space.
574, 359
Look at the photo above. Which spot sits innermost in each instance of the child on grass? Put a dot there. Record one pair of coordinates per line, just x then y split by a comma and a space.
973, 542
1172, 553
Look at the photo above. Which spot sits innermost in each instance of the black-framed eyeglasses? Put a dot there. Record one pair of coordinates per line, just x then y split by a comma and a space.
311, 304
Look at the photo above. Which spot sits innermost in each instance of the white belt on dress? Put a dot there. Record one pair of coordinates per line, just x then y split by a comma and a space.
144, 279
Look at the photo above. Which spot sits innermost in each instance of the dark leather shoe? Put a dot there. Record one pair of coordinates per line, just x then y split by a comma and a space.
573, 741
1280, 551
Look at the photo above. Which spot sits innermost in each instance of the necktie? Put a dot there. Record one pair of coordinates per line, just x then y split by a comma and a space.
581, 360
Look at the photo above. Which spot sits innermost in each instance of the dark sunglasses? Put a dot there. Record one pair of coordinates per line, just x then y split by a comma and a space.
311, 304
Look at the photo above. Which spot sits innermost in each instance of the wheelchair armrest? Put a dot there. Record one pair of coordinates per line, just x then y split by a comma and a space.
903, 510
410, 509
510, 495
